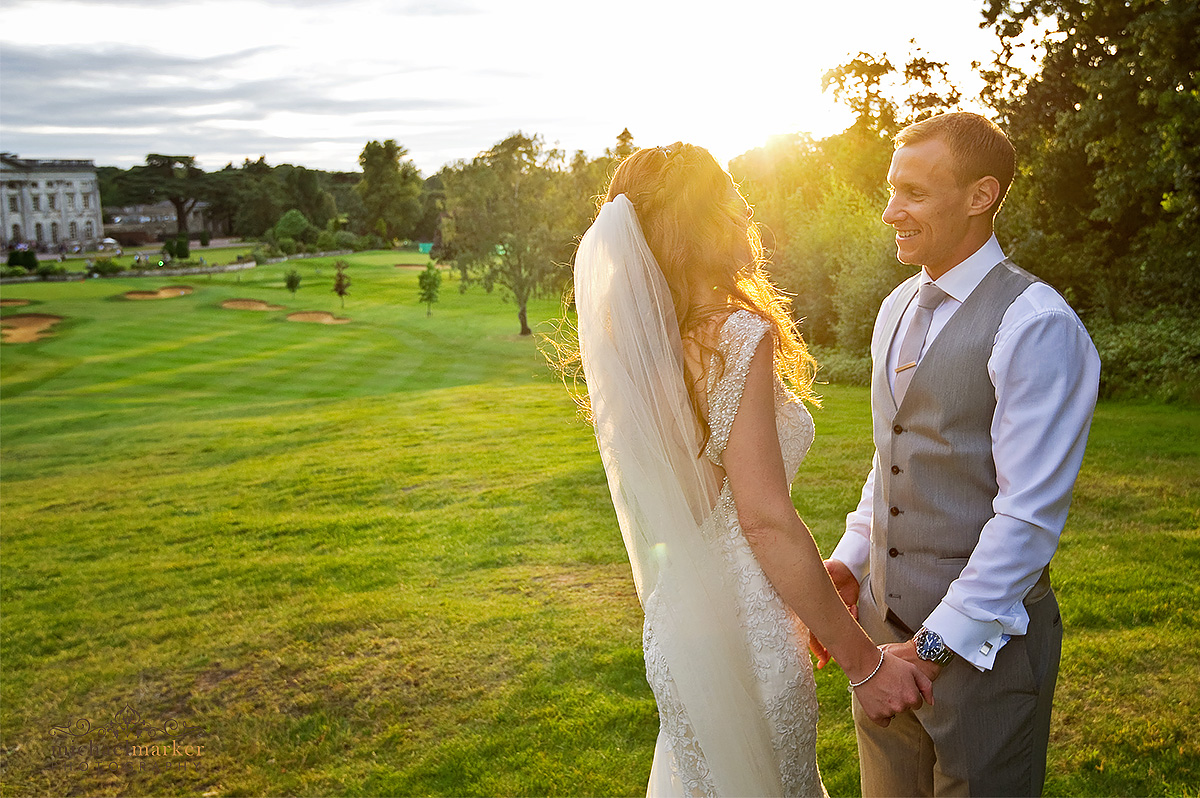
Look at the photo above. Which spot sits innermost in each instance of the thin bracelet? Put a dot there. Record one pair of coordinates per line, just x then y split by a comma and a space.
850, 689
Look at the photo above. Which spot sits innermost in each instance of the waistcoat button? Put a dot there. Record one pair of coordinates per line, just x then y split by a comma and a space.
893, 552
895, 469
894, 511
897, 429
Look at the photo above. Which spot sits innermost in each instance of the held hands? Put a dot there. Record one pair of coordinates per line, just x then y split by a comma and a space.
847, 588
897, 687
902, 682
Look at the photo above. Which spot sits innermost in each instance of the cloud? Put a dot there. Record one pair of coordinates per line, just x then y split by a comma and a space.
41, 83
120, 101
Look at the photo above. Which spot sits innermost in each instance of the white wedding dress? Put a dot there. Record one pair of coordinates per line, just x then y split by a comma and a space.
727, 661
774, 636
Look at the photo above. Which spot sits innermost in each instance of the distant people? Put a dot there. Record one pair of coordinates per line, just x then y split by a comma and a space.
982, 395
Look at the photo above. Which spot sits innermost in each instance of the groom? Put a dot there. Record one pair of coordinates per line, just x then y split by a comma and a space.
983, 388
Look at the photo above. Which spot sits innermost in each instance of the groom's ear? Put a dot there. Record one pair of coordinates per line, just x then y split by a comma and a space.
983, 197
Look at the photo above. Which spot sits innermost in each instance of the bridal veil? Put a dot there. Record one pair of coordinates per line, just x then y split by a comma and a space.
663, 491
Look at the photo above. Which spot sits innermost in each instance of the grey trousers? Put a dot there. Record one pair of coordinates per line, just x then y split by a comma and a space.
986, 734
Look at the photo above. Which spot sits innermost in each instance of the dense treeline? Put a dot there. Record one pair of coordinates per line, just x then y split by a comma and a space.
1105, 207
290, 207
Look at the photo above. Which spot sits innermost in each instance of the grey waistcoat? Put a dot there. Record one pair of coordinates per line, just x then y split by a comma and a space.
936, 479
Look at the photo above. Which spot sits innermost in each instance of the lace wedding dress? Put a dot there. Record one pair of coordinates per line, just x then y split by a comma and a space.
774, 636
727, 661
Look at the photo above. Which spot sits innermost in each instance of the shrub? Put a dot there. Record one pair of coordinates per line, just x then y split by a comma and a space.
29, 260
13, 271
295, 225
1158, 359
264, 252
50, 269
168, 247
15, 258
205, 237
344, 239
372, 241
106, 266
182, 247
841, 367
287, 246
326, 242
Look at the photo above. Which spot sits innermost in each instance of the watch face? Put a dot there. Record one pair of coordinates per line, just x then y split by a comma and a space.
929, 644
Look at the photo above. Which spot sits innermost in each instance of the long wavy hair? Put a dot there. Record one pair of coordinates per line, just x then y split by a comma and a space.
701, 231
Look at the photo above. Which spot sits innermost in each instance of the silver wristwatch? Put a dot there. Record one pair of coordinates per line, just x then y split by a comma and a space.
931, 648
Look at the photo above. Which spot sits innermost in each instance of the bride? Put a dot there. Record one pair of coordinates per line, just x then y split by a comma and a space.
695, 379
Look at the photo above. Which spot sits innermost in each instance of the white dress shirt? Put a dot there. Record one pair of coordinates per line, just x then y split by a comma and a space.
1046, 373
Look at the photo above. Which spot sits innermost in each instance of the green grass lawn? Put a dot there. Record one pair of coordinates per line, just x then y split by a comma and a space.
379, 558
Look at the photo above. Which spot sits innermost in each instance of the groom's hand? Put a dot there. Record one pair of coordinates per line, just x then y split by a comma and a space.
847, 588
846, 584
908, 651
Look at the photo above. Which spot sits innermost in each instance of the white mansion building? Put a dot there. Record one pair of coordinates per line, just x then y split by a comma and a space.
49, 204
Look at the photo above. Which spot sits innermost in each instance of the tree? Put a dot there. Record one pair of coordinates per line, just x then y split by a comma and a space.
295, 226
173, 178
624, 146
885, 99
305, 194
260, 206
341, 280
1107, 127
428, 282
291, 279
433, 200
390, 190
508, 219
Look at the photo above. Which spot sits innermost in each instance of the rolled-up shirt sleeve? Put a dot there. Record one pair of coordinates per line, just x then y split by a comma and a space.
1046, 372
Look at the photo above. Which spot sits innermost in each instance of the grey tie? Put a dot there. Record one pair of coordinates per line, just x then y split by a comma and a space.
928, 298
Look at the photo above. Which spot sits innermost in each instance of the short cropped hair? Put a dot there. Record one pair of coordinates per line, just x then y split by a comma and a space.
978, 146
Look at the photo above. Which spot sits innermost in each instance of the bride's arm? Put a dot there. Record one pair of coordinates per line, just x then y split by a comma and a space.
788, 554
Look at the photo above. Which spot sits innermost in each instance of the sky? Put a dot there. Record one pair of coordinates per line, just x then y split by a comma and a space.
310, 82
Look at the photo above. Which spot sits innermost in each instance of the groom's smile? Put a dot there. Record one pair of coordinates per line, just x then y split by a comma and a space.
928, 208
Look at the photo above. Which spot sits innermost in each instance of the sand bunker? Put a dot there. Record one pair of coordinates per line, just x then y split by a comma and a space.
317, 317
249, 304
170, 292
13, 303
24, 328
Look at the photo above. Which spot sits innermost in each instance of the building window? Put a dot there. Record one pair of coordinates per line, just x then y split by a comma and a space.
54, 232
38, 234
89, 230
16, 233
71, 201
37, 202
12, 203
87, 201
52, 201
74, 229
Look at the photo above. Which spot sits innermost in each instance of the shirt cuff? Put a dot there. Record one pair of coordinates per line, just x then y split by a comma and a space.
855, 551
977, 642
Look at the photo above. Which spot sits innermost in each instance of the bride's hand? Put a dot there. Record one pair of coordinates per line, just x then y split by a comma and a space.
897, 687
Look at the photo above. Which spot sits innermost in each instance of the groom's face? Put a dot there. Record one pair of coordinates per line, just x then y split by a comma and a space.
929, 208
